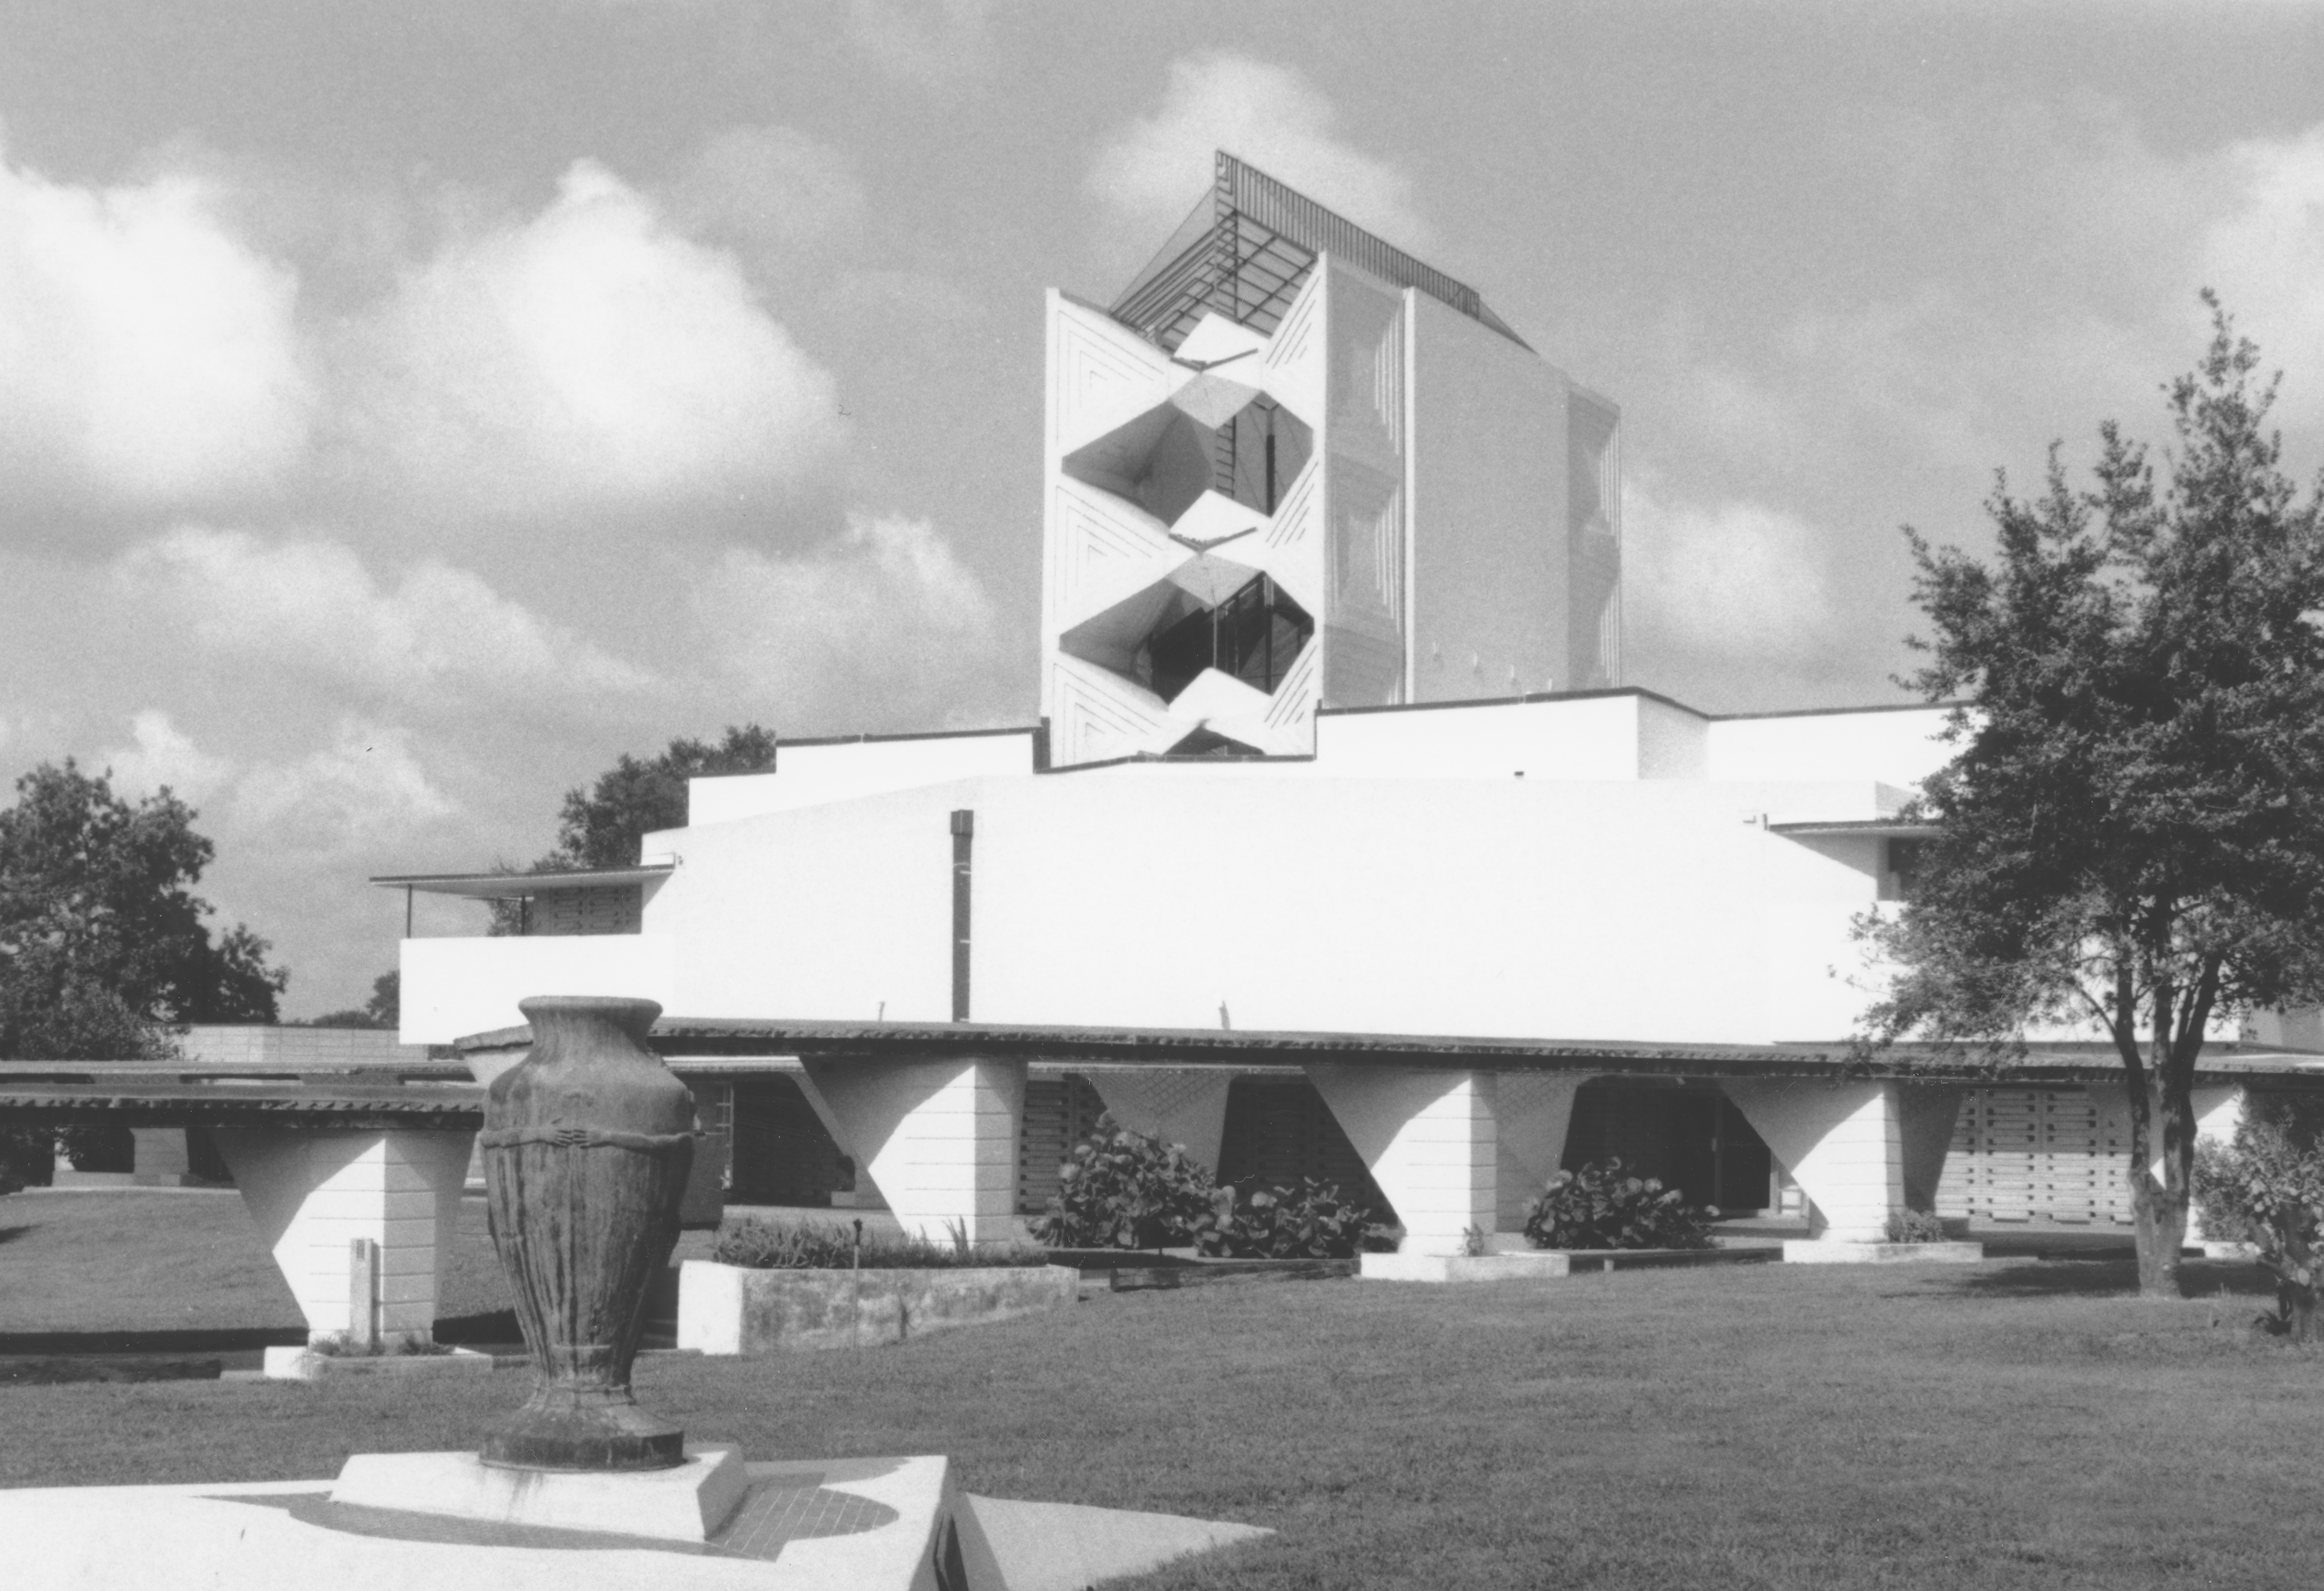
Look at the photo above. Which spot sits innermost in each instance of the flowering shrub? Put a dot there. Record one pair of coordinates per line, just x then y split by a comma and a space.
1314, 1221
2268, 1188
1597, 1207
1915, 1226
1124, 1189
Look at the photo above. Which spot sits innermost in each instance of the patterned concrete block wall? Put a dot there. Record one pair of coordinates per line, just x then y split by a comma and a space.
1059, 1113
2038, 1154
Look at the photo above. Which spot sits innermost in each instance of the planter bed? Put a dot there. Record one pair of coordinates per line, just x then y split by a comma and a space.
1104, 1261
1198, 1272
297, 1364
729, 1309
1581, 1261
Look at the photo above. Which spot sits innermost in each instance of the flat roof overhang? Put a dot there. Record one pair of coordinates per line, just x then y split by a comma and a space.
57, 1094
509, 886
681, 1039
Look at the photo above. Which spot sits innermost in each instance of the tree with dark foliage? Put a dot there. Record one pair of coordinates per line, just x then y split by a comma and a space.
384, 1009
2131, 833
600, 827
104, 945
102, 938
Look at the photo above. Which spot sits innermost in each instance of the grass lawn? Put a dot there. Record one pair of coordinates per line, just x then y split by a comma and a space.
2020, 1423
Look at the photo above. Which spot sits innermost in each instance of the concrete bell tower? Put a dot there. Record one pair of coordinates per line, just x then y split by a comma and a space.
1292, 467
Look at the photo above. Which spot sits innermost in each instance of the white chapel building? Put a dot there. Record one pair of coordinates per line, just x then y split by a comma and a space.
1337, 848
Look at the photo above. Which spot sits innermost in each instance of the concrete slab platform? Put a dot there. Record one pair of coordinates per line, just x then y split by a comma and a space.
1012, 1546
689, 1502
1819, 1251
862, 1524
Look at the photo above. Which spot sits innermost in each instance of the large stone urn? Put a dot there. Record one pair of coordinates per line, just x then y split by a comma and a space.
587, 1142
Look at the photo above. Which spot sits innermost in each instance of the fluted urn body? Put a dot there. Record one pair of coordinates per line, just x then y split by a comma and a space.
587, 1142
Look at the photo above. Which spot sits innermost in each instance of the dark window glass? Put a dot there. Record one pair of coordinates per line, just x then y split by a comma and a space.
1254, 635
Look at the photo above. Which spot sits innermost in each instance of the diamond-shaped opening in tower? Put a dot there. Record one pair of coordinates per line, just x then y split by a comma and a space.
1210, 613
1258, 454
1254, 635
1168, 456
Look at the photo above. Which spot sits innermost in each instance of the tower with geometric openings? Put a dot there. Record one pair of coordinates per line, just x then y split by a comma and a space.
1291, 466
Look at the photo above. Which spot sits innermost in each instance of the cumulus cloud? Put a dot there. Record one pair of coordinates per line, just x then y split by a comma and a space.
774, 190
146, 354
884, 627
1154, 169
2266, 255
160, 756
1734, 581
588, 356
314, 606
366, 786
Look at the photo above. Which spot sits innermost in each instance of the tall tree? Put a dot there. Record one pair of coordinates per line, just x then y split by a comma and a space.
601, 826
384, 1009
2131, 833
102, 938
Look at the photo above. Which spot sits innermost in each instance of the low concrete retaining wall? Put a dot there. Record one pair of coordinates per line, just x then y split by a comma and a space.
1824, 1251
1514, 1263
729, 1309
297, 1363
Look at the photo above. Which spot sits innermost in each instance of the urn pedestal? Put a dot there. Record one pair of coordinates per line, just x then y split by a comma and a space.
587, 1144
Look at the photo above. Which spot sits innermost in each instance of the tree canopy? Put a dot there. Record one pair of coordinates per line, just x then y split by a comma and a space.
384, 1009
102, 938
601, 826
2131, 833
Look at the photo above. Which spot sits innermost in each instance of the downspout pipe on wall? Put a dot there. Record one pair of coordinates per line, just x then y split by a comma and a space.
964, 838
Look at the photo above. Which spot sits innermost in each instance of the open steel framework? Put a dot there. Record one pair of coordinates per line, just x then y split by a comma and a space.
1246, 249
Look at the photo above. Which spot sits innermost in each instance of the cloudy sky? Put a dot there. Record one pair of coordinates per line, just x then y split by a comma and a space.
406, 408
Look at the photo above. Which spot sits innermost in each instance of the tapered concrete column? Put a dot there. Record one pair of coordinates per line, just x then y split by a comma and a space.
1843, 1144
1926, 1115
1187, 1108
937, 1137
312, 1193
1429, 1138
1532, 1113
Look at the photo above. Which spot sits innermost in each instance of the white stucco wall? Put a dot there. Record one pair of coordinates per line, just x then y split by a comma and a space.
1489, 511
1152, 896
1895, 746
1621, 736
454, 986
1404, 880
814, 773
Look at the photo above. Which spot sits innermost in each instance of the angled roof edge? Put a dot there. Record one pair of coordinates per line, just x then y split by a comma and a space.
1242, 189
